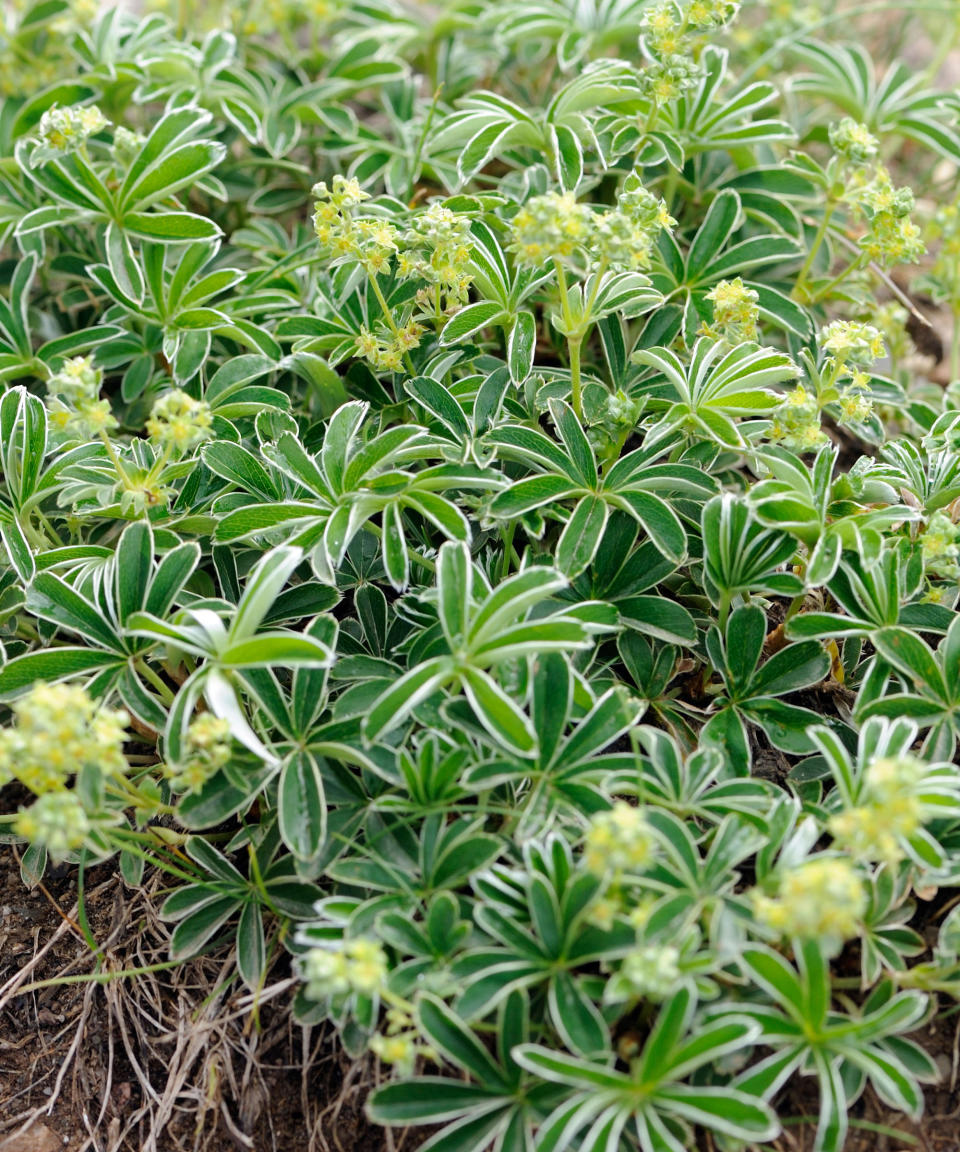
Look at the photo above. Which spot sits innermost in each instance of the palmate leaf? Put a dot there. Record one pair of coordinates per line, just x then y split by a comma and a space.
742, 556
895, 102
433, 605
717, 385
652, 1095
482, 630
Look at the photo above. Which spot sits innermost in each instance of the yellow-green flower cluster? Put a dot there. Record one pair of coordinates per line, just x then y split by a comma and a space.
735, 311
890, 318
399, 1045
796, 423
385, 350
851, 345
940, 544
891, 236
853, 406
852, 342
63, 130
436, 249
58, 729
77, 18
555, 228
652, 971
399, 1051
669, 32
206, 751
358, 965
889, 813
619, 840
821, 899
75, 410
666, 26
178, 423
853, 141
56, 821
370, 241
550, 227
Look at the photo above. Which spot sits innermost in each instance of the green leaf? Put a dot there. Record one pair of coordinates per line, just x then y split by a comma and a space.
581, 536
301, 806
251, 946
497, 712
394, 705
470, 320
428, 1100
521, 346
170, 227
458, 1042
51, 665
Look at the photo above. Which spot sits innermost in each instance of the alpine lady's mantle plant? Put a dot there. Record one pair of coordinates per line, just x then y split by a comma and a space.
474, 517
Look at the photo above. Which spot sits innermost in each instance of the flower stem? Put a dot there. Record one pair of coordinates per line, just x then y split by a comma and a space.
818, 240
575, 385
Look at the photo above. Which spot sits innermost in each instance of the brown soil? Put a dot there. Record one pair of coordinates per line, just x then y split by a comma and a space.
170, 1061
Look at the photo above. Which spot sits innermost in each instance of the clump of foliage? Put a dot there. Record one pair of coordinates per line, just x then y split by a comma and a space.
473, 514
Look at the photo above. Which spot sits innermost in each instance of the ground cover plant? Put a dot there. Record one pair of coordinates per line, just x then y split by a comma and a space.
479, 523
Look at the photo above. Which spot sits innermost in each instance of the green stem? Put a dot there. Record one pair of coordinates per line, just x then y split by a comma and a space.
98, 977
391, 323
507, 538
576, 387
828, 288
818, 240
148, 674
115, 460
82, 907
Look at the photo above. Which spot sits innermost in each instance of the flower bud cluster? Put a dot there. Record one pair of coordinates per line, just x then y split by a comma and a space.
358, 966
64, 130
56, 821
889, 813
796, 423
735, 312
75, 410
619, 840
891, 236
821, 899
436, 249
550, 227
127, 144
940, 544
652, 971
178, 423
207, 750
853, 141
